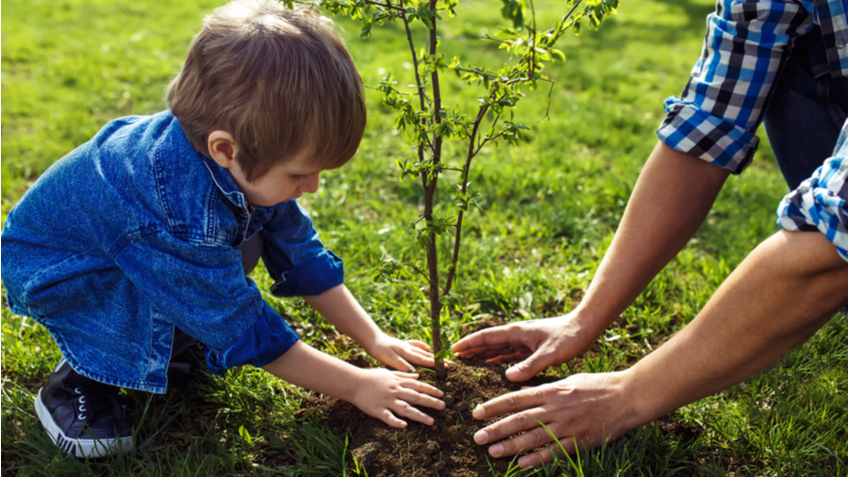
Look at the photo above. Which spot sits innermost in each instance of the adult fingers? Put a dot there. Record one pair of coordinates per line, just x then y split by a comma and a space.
535, 437
490, 337
510, 358
546, 455
512, 425
508, 403
489, 353
533, 365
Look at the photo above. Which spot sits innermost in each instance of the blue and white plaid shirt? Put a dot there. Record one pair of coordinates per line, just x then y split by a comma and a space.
821, 202
722, 105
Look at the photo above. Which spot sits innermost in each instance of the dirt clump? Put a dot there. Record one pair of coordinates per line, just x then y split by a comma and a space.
447, 447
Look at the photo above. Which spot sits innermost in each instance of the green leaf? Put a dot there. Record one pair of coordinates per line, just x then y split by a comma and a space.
366, 31
557, 54
245, 435
513, 10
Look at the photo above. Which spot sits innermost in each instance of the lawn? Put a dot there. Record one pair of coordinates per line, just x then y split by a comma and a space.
548, 209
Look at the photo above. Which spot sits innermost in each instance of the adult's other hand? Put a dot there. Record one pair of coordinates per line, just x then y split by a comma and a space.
582, 410
537, 344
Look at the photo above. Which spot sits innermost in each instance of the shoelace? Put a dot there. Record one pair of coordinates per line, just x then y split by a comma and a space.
92, 404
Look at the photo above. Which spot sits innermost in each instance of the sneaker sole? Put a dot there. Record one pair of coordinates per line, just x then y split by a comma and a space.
79, 447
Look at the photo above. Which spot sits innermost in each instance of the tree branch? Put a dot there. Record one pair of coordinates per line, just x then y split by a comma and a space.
458, 236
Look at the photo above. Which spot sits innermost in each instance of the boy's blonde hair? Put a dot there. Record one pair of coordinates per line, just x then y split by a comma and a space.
280, 81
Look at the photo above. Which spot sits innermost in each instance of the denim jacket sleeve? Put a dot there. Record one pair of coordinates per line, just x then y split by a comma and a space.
295, 257
203, 291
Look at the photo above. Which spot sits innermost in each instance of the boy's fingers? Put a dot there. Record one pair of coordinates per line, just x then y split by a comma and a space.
390, 419
408, 366
403, 366
424, 388
420, 354
419, 344
403, 409
421, 399
405, 375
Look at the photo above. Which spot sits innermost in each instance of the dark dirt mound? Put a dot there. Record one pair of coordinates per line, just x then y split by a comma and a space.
447, 448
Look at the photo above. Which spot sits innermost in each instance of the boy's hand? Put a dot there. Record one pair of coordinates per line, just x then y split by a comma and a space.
389, 396
399, 354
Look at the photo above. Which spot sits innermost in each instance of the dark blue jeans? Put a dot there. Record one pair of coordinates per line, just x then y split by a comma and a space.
806, 110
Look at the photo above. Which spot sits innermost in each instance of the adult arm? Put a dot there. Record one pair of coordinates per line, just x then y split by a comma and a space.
673, 195
714, 119
787, 288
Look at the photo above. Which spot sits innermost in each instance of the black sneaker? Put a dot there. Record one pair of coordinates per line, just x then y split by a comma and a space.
82, 416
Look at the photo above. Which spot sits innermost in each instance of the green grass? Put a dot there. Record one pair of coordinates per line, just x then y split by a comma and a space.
548, 211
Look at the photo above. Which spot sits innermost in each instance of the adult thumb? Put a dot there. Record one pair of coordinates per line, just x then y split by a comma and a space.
527, 368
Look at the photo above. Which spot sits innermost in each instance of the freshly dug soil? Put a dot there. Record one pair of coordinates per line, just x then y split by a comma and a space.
447, 447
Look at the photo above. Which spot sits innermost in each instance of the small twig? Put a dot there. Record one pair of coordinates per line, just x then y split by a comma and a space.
387, 5
421, 93
548, 109
459, 216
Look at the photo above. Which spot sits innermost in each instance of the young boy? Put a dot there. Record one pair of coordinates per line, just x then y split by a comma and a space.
139, 240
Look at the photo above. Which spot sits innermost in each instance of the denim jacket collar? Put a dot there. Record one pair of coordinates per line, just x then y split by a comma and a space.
226, 184
224, 181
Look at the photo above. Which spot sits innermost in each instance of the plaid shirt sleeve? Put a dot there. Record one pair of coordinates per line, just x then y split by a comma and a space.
723, 103
821, 202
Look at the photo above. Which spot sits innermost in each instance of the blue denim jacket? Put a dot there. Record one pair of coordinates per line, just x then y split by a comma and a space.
132, 234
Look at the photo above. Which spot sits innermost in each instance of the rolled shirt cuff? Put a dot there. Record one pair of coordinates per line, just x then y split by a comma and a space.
268, 339
694, 131
820, 203
324, 271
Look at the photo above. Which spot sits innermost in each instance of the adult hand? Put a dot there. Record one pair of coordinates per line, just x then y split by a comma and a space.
536, 343
582, 410
399, 354
390, 396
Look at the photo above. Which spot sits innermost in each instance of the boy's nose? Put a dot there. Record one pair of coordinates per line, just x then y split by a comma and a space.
310, 184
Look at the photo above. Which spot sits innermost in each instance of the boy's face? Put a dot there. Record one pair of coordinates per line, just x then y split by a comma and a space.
283, 181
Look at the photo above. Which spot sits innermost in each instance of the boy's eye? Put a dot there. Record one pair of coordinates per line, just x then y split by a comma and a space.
299, 176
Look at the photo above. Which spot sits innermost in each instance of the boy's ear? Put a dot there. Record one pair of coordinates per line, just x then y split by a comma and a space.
222, 148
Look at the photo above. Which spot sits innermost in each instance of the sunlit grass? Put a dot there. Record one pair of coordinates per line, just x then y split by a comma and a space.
548, 210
